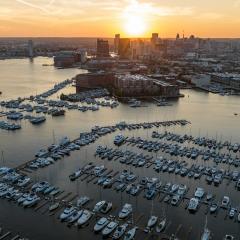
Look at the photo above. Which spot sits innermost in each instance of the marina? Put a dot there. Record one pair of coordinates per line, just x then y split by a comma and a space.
174, 166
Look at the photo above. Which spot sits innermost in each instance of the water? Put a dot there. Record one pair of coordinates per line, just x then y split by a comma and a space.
211, 115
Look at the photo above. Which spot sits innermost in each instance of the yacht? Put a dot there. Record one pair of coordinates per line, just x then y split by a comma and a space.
120, 231
86, 215
193, 204
53, 206
109, 228
75, 216
225, 201
68, 211
82, 201
99, 206
151, 223
75, 175
213, 208
126, 210
107, 206
161, 226
31, 200
130, 234
101, 223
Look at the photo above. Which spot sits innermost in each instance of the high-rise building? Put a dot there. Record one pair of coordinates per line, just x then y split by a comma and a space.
124, 48
102, 48
154, 38
116, 42
30, 48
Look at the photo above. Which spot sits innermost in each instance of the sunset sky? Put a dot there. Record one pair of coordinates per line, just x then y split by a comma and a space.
103, 18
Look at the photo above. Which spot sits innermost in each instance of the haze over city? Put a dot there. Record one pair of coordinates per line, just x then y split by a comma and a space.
132, 18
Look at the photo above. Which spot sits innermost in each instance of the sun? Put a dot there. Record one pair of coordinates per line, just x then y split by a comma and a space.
135, 25
134, 18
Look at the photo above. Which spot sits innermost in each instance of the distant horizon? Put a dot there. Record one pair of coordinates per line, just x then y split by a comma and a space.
132, 18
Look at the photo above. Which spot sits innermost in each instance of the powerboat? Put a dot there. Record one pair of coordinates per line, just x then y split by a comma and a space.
109, 228
228, 237
82, 201
75, 175
161, 225
120, 231
213, 208
99, 206
101, 223
86, 215
75, 216
193, 205
107, 206
68, 211
53, 206
151, 223
130, 234
126, 210
225, 201
31, 200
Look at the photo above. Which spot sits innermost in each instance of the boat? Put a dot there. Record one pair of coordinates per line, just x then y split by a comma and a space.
161, 225
130, 234
53, 206
206, 235
213, 208
57, 112
109, 228
151, 223
99, 206
31, 200
120, 231
75, 175
68, 211
101, 223
75, 216
37, 120
82, 201
193, 205
228, 237
126, 210
225, 201
86, 215
107, 206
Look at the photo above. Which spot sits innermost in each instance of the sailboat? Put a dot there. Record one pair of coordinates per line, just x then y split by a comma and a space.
206, 235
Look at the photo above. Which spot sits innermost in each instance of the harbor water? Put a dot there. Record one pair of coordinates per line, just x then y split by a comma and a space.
210, 115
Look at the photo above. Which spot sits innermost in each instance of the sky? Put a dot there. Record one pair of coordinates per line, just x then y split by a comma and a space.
104, 18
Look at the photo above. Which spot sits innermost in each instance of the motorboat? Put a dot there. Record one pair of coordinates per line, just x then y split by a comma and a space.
199, 193
161, 225
213, 208
82, 201
53, 206
99, 206
151, 223
75, 216
130, 234
232, 212
68, 211
107, 206
120, 231
109, 228
86, 215
228, 237
101, 223
31, 200
193, 204
225, 201
126, 211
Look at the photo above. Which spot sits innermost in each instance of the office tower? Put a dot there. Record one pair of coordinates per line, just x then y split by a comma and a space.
102, 48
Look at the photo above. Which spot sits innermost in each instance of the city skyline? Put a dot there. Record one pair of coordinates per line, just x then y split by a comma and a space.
131, 18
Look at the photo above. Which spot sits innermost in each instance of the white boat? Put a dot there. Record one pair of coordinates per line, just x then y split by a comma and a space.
22, 198
68, 211
86, 215
31, 200
75, 175
161, 226
109, 228
101, 223
75, 216
106, 207
206, 235
23, 181
152, 221
98, 206
53, 206
120, 231
130, 234
82, 201
126, 210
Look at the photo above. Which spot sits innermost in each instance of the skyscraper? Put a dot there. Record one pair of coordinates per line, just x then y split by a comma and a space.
102, 48
154, 38
30, 48
116, 42
124, 48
